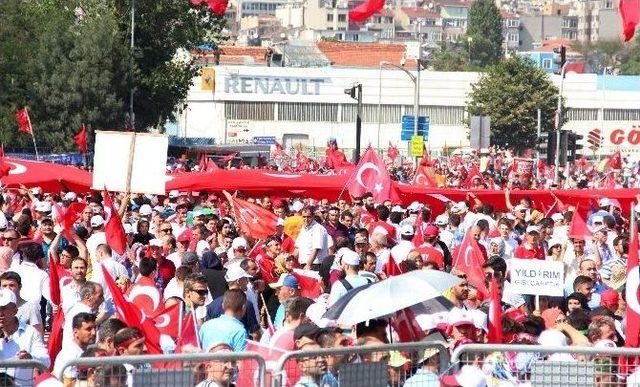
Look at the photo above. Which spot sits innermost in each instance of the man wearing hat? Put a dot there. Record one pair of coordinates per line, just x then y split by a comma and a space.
428, 250
445, 236
97, 237
287, 287
530, 247
350, 263
400, 251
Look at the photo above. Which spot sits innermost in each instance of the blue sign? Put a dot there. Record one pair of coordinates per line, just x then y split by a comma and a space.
408, 126
264, 140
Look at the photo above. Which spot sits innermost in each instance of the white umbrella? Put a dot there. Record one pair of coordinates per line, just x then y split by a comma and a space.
386, 297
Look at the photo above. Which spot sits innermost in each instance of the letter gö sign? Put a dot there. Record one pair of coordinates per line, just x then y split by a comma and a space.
537, 277
260, 84
620, 136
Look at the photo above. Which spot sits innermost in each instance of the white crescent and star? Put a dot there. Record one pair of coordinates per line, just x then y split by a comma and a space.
369, 165
148, 291
17, 169
631, 292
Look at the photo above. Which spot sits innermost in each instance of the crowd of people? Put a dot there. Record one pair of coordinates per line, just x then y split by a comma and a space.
243, 291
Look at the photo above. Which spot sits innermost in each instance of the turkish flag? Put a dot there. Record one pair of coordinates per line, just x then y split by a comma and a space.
66, 217
371, 176
468, 258
615, 160
146, 296
405, 324
267, 267
24, 122
473, 173
495, 314
131, 315
392, 268
336, 160
58, 277
630, 13
418, 237
392, 152
4, 167
54, 345
252, 219
632, 337
167, 320
247, 369
81, 140
578, 227
365, 10
310, 283
113, 229
189, 333
423, 177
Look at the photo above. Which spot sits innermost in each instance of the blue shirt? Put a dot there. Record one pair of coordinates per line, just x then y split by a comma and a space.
214, 310
224, 329
278, 320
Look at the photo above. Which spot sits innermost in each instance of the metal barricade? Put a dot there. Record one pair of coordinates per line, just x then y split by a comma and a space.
403, 364
245, 369
20, 372
545, 365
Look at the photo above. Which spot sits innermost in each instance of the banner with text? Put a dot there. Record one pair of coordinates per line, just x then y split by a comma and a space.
537, 277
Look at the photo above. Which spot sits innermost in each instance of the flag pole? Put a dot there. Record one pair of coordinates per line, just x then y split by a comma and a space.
33, 137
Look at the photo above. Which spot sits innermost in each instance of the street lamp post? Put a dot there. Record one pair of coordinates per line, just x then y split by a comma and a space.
558, 124
355, 92
469, 41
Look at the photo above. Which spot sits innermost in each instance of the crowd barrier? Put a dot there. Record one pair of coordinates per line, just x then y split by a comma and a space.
535, 365
20, 372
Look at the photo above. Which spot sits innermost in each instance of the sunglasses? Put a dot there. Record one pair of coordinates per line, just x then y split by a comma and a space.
9, 239
201, 292
166, 230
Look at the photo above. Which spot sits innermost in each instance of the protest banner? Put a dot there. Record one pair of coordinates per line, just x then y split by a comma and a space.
130, 162
536, 277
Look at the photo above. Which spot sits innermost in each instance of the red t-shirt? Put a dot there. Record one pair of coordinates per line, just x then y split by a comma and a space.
166, 271
389, 229
523, 252
431, 254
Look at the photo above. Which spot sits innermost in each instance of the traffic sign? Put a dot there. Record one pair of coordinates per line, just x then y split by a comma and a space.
264, 140
417, 146
408, 126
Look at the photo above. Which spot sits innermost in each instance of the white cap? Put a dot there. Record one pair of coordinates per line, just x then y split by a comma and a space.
239, 242
296, 206
7, 297
234, 273
97, 221
604, 202
397, 209
128, 229
350, 257
557, 217
519, 207
201, 247
145, 210
155, 242
407, 229
554, 241
174, 194
280, 222
462, 206
441, 220
43, 206
196, 213
36, 190
158, 209
553, 338
510, 216
70, 196
414, 207
533, 229
597, 219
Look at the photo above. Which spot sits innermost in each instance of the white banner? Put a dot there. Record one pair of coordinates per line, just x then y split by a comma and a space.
537, 277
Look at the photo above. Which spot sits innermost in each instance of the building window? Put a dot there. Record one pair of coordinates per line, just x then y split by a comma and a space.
546, 64
514, 36
621, 114
580, 114
514, 23
255, 111
389, 114
342, 18
329, 17
307, 112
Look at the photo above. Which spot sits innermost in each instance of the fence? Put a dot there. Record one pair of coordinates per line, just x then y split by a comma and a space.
20, 372
408, 364
245, 369
545, 365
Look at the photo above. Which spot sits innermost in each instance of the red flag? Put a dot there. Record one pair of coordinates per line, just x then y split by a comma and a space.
247, 369
113, 229
473, 173
371, 176
578, 227
203, 162
632, 337
495, 314
405, 324
418, 237
4, 168
189, 333
252, 219
266, 268
24, 122
54, 345
392, 268
310, 283
167, 320
468, 258
630, 13
615, 160
218, 7
392, 152
81, 140
365, 10
423, 177
58, 277
131, 315
146, 296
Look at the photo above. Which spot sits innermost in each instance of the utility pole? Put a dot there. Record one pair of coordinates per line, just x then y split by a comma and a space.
355, 92
132, 119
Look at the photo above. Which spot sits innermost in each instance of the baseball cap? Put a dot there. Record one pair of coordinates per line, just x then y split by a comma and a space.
43, 206
286, 280
155, 242
459, 317
407, 229
604, 202
602, 229
431, 231
36, 190
554, 241
442, 220
7, 297
128, 229
397, 209
280, 222
70, 196
360, 239
350, 257
557, 217
174, 194
234, 273
145, 210
97, 221
519, 207
296, 206
532, 229
414, 207
189, 258
239, 243
309, 329
597, 219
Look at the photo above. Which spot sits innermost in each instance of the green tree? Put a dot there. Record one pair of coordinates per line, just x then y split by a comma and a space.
449, 59
484, 33
511, 93
630, 59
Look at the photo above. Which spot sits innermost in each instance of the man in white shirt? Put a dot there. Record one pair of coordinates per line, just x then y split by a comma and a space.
350, 261
400, 251
313, 242
28, 312
84, 334
70, 293
19, 340
105, 258
35, 279
11, 240
97, 237
91, 297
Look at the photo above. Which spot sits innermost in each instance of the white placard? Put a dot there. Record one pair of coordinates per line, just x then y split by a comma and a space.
537, 277
111, 162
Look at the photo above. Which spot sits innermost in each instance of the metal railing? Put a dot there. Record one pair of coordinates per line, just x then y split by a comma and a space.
185, 369
20, 372
547, 366
363, 365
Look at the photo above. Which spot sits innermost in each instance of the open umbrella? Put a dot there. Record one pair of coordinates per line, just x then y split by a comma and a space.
383, 298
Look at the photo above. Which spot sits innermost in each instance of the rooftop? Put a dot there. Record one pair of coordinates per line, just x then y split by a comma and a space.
417, 12
350, 54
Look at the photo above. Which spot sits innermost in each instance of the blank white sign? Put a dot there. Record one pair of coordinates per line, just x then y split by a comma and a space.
148, 166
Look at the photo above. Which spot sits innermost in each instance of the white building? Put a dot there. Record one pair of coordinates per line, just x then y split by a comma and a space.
309, 105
